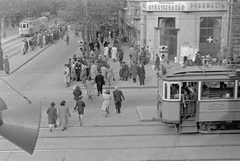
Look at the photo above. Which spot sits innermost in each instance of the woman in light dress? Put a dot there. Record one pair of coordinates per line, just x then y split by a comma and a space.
93, 71
89, 88
106, 101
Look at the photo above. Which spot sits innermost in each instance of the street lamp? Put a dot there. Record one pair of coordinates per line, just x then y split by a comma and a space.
20, 125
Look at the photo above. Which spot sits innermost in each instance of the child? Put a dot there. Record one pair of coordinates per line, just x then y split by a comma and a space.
80, 105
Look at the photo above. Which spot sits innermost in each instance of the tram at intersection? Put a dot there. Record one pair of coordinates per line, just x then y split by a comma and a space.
201, 99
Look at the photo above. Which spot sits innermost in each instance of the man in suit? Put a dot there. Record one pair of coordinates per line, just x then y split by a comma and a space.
118, 98
99, 79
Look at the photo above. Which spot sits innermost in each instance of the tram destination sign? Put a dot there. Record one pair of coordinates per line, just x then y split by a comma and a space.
184, 6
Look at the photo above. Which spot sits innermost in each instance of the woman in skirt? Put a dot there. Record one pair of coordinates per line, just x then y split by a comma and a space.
106, 102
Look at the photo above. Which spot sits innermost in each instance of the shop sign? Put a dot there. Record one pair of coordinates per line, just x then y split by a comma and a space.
184, 6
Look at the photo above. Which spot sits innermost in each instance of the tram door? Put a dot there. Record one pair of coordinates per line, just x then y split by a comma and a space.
189, 98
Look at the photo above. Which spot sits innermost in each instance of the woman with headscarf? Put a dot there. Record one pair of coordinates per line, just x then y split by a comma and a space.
52, 116
63, 114
106, 102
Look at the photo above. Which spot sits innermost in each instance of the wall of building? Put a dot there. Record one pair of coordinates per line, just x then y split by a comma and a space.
188, 25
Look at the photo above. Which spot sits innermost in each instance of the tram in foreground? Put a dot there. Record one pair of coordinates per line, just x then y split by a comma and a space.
199, 99
30, 26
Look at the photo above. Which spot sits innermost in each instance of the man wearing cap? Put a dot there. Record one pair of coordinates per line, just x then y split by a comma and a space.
118, 98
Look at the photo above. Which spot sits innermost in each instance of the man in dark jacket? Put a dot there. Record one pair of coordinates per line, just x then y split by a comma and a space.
120, 56
118, 98
141, 74
78, 69
99, 79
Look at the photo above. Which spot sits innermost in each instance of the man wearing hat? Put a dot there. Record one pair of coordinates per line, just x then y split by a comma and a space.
99, 79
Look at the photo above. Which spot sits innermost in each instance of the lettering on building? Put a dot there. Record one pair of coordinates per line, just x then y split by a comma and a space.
185, 6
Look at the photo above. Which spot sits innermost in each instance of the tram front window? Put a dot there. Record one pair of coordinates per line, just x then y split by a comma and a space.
174, 91
24, 26
218, 90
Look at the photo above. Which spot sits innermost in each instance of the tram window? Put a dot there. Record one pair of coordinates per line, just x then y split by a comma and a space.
174, 91
165, 91
27, 25
24, 26
218, 90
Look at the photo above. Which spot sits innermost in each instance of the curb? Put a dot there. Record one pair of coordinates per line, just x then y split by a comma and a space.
141, 118
121, 87
29, 60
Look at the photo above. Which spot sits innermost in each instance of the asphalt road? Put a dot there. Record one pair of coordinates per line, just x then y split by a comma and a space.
117, 137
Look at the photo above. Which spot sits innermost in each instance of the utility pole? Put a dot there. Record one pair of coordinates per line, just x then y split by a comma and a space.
1, 53
230, 27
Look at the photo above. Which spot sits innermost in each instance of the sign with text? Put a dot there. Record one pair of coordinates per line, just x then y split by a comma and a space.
184, 6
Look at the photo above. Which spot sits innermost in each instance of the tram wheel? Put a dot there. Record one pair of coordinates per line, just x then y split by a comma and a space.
208, 127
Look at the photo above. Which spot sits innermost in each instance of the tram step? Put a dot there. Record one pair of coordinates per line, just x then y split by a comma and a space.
188, 126
188, 123
188, 129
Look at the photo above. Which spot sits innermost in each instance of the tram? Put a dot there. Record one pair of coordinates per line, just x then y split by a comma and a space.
200, 99
30, 26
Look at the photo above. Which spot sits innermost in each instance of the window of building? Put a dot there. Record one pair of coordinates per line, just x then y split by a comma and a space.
218, 90
210, 35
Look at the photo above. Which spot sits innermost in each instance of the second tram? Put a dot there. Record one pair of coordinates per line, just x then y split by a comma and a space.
31, 26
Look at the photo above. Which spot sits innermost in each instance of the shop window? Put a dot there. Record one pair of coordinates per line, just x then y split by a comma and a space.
174, 91
218, 90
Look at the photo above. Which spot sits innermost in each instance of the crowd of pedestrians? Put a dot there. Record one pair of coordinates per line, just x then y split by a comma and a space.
91, 66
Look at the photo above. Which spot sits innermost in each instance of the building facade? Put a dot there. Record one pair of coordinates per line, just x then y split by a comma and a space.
129, 18
185, 27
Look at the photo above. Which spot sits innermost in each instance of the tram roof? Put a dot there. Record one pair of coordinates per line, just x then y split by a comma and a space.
201, 73
28, 20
